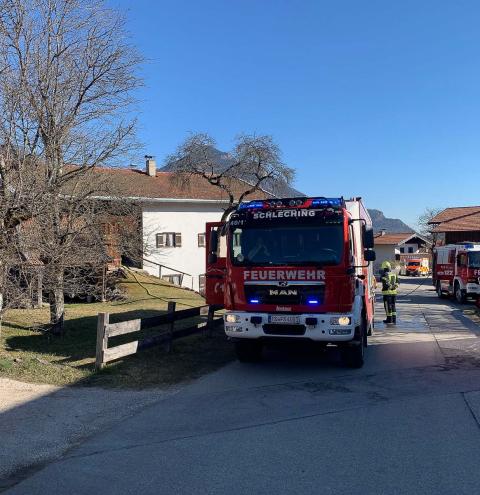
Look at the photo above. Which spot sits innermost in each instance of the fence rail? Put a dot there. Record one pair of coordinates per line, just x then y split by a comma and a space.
107, 330
179, 272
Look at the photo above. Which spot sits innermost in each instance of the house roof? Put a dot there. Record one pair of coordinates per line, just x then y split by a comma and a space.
466, 218
452, 213
136, 184
397, 238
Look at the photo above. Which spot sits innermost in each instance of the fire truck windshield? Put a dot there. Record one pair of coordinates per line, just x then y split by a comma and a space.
474, 259
306, 245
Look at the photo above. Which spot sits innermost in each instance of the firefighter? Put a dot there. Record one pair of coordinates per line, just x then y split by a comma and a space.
389, 291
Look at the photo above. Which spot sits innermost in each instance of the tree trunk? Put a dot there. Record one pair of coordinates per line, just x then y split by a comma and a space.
57, 302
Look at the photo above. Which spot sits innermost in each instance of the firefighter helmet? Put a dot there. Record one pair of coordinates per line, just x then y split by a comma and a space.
386, 265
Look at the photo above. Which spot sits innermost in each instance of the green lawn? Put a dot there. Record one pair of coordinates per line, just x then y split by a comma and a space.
29, 355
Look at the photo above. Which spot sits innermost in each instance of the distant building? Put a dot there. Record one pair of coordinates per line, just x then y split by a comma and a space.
390, 246
458, 224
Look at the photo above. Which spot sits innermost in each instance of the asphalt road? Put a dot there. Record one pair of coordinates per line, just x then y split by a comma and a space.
406, 423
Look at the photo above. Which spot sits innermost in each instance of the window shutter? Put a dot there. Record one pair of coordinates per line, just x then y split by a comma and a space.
178, 240
160, 240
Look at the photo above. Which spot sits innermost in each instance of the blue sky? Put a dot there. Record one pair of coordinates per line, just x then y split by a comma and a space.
379, 99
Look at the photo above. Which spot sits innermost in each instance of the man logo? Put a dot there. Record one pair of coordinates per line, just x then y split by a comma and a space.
283, 292
283, 283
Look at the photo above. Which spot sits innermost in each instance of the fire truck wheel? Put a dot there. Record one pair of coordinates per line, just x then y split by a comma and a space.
354, 355
248, 351
459, 294
440, 293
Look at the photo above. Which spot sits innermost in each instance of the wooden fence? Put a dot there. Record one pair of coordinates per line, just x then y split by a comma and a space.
106, 330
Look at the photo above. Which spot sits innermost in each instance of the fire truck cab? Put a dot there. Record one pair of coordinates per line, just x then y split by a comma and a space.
294, 268
456, 271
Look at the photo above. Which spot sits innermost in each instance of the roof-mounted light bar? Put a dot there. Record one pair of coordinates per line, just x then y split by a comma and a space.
292, 203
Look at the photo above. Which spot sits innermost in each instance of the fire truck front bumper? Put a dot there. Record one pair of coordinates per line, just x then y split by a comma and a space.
331, 327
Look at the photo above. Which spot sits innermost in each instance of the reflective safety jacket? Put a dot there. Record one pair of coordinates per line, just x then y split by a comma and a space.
389, 283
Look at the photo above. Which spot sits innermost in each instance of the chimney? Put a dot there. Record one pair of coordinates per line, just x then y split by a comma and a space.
383, 232
150, 166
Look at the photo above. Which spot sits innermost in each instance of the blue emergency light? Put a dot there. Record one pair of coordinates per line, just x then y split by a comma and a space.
251, 204
327, 202
316, 202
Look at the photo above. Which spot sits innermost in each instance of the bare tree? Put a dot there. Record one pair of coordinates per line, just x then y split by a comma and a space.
67, 80
253, 164
425, 228
423, 219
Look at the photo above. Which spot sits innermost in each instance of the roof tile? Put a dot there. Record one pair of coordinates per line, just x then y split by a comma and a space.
454, 213
464, 223
137, 184
393, 238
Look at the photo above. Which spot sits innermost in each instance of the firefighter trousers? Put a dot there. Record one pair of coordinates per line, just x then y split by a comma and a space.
390, 309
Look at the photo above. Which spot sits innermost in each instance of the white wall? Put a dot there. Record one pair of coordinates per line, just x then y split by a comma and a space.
387, 252
186, 218
384, 252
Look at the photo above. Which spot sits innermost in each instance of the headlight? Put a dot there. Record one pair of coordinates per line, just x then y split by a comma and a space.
231, 318
343, 321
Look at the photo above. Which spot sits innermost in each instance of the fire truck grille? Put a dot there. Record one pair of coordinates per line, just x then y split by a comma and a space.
273, 329
293, 294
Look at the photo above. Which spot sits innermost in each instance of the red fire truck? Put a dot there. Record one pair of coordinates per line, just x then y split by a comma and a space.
294, 268
456, 270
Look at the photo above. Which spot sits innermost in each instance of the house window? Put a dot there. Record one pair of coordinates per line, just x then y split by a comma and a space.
410, 249
402, 250
201, 240
169, 239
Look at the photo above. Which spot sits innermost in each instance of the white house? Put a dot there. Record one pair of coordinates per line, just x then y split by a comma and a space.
174, 238
389, 246
173, 220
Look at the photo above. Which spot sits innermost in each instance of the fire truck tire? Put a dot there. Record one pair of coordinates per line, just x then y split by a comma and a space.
459, 294
440, 293
248, 351
354, 355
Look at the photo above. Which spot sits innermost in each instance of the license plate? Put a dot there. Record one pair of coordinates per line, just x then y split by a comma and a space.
284, 319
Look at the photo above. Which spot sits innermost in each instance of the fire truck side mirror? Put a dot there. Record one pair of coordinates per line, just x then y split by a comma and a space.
368, 238
369, 255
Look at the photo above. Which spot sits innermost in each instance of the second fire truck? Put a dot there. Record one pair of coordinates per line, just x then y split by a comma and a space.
456, 270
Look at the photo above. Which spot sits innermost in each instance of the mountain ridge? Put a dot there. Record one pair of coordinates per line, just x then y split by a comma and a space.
392, 225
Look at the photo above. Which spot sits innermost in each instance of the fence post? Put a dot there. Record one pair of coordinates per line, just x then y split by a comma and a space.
171, 311
102, 339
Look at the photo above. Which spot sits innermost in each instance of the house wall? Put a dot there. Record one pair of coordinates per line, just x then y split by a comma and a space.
387, 252
188, 219
384, 252
406, 247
